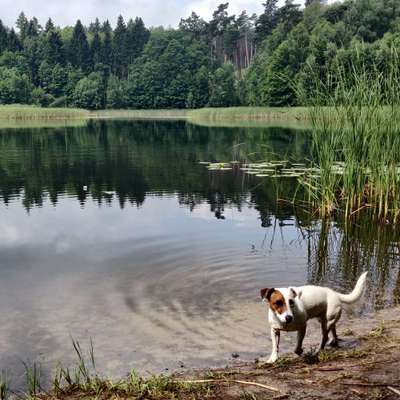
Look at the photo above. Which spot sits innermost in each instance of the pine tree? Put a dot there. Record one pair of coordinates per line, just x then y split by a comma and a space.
22, 25
119, 48
54, 52
267, 21
131, 42
95, 49
3, 38
79, 52
33, 29
137, 37
14, 43
49, 26
94, 26
95, 45
107, 50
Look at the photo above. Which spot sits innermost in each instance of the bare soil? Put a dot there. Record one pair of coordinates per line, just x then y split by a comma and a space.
365, 366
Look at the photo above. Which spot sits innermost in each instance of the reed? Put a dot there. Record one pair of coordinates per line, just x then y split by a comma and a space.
356, 140
18, 112
237, 114
4, 389
83, 381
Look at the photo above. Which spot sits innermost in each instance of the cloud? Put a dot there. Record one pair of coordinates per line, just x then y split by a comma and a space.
153, 12
205, 8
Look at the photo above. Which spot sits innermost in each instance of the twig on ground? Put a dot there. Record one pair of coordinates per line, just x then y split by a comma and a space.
272, 388
392, 389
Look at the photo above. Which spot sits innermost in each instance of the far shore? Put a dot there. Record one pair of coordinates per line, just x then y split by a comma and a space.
23, 115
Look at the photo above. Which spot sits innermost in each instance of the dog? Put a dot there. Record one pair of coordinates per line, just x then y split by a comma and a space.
289, 309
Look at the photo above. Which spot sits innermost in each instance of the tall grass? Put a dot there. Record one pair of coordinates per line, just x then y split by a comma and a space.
4, 389
356, 141
18, 112
139, 114
83, 381
33, 375
264, 114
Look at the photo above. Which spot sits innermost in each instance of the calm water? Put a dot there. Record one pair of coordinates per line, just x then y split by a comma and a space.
115, 232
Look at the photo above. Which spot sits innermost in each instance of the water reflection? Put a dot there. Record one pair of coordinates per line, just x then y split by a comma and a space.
114, 231
339, 252
133, 159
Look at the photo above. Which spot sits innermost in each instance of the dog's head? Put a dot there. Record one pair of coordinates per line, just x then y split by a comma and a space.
281, 302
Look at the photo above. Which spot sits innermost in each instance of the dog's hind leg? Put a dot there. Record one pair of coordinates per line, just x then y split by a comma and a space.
324, 331
300, 337
334, 342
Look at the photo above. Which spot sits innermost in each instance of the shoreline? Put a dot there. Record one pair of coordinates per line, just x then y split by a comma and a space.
21, 115
365, 366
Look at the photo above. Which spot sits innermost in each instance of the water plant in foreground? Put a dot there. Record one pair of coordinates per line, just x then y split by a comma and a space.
356, 140
3, 386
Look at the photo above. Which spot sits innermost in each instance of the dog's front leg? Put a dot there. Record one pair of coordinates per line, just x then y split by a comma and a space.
275, 337
300, 337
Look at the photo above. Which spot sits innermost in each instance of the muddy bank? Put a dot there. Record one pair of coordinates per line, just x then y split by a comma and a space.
366, 366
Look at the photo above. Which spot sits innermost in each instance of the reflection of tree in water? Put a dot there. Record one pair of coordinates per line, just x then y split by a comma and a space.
339, 253
129, 160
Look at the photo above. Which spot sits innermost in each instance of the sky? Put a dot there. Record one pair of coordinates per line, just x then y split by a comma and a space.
153, 12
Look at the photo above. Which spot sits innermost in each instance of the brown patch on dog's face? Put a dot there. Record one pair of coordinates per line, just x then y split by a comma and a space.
266, 293
277, 302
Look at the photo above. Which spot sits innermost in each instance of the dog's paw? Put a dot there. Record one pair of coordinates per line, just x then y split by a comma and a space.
298, 351
272, 359
333, 343
268, 360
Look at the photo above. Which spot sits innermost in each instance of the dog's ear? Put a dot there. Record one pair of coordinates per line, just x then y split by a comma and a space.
295, 292
266, 293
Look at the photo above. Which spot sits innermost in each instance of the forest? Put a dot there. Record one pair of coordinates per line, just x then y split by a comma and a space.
267, 60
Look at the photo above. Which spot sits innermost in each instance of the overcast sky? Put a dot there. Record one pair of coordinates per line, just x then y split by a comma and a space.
153, 12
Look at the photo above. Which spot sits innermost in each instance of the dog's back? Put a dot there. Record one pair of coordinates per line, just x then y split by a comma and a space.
319, 300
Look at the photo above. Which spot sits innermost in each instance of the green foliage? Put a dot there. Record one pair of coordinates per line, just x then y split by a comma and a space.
53, 51
222, 87
89, 92
187, 67
107, 49
172, 73
79, 53
323, 36
116, 93
14, 87
119, 47
41, 98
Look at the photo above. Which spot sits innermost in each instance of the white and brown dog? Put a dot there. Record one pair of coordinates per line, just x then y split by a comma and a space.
291, 308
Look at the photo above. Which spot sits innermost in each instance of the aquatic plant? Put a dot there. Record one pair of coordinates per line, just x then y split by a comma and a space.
356, 141
4, 389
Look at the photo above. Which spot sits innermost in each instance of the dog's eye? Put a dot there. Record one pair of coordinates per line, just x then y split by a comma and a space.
291, 302
279, 303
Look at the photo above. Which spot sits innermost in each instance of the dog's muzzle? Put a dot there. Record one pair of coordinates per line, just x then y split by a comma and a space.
288, 319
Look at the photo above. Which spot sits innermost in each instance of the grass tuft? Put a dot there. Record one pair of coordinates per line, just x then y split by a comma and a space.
378, 332
33, 375
4, 389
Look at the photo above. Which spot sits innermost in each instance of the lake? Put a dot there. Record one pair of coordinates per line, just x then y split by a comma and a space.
115, 232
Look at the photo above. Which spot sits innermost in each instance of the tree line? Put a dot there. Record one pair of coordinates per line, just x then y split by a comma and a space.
270, 59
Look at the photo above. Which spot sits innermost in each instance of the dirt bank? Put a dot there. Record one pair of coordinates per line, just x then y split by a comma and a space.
366, 366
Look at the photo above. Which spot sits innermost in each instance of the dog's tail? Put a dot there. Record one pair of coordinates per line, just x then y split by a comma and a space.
357, 291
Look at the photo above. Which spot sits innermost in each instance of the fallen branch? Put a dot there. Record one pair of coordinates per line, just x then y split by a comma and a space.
392, 389
369, 384
272, 388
